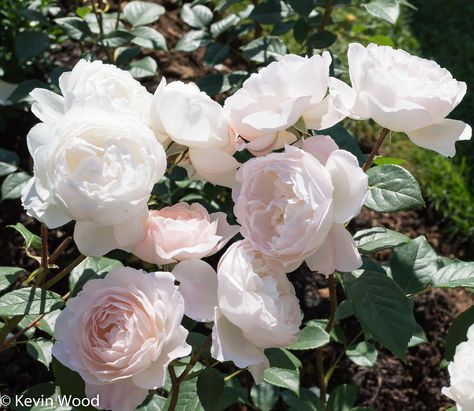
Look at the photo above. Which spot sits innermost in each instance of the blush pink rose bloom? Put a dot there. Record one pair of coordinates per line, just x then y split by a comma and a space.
120, 333
293, 205
250, 300
275, 98
183, 231
404, 93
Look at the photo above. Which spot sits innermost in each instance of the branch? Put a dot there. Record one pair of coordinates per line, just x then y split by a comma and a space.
383, 133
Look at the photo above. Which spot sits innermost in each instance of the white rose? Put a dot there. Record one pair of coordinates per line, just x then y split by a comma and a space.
276, 97
189, 117
97, 168
120, 333
93, 84
292, 206
404, 93
253, 308
461, 372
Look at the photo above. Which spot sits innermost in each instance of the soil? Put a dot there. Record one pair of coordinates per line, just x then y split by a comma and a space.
390, 385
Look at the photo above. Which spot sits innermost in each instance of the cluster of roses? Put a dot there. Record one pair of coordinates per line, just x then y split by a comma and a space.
104, 144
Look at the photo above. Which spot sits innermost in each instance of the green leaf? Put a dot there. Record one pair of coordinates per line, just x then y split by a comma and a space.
233, 393
413, 265
321, 40
302, 7
457, 333
192, 40
74, 27
145, 67
378, 238
126, 55
343, 397
216, 53
282, 358
149, 38
9, 162
83, 11
210, 387
69, 382
300, 30
345, 141
188, 400
31, 240
197, 16
382, 160
392, 188
29, 301
418, 337
117, 38
139, 13
383, 310
13, 184
30, 43
270, 12
40, 350
388, 10
310, 338
284, 378
8, 276
223, 25
90, 268
455, 274
344, 310
23, 90
363, 354
307, 401
264, 49
153, 403
264, 396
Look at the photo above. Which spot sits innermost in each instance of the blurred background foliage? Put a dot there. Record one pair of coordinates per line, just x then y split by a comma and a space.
229, 40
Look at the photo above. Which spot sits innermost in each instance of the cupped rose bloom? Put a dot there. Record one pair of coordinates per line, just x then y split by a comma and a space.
93, 84
404, 93
120, 333
251, 301
183, 231
461, 374
293, 205
97, 168
189, 117
275, 98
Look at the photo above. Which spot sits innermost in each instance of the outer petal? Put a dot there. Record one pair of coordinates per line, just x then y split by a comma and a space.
130, 232
93, 239
442, 136
338, 252
198, 287
38, 136
257, 370
323, 115
320, 147
224, 229
350, 185
40, 208
346, 101
229, 344
48, 106
121, 395
214, 165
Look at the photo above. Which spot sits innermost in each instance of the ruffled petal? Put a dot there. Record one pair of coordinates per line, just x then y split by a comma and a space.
48, 106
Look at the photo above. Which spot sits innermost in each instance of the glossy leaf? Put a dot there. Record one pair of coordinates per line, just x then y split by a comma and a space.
29, 301
378, 238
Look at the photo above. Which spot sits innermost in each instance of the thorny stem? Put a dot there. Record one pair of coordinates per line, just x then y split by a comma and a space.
56, 253
327, 15
44, 256
100, 23
383, 133
176, 381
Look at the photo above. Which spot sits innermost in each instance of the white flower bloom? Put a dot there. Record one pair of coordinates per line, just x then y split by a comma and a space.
252, 304
189, 117
404, 93
461, 372
97, 168
120, 333
276, 97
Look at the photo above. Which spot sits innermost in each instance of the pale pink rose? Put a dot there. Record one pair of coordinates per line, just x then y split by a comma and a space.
292, 206
403, 93
250, 300
183, 231
120, 333
278, 96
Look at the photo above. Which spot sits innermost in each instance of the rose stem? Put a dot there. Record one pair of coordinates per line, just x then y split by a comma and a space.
176, 381
44, 256
64, 272
327, 15
383, 133
320, 373
56, 253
